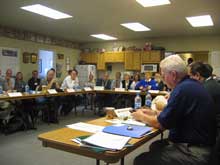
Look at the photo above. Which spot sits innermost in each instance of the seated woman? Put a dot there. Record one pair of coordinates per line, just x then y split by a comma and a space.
19, 82
159, 83
135, 81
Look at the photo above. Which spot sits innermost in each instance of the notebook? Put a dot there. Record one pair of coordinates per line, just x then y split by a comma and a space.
133, 131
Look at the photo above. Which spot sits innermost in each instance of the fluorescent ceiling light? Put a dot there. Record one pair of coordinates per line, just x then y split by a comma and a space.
199, 21
150, 3
135, 26
46, 11
103, 36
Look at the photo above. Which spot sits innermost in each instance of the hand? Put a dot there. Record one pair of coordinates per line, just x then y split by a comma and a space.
138, 115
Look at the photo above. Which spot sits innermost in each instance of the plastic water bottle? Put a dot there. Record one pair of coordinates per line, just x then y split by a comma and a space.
1, 89
137, 101
148, 100
27, 89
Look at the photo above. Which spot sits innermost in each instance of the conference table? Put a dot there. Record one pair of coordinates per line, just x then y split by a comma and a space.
60, 139
24, 96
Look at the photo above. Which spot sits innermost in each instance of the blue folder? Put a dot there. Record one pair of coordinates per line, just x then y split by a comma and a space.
134, 131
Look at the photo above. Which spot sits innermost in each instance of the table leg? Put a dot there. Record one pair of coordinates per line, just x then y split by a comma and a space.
122, 161
97, 162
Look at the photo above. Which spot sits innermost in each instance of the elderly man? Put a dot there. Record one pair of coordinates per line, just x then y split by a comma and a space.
9, 81
189, 116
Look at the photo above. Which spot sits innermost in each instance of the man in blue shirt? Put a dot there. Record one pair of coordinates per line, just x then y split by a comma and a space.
189, 116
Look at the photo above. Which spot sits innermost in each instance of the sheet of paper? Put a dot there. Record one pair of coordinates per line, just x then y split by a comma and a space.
110, 141
98, 88
70, 90
87, 89
86, 127
123, 112
52, 91
15, 94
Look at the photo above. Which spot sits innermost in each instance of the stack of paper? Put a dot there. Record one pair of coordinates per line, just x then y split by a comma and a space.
109, 141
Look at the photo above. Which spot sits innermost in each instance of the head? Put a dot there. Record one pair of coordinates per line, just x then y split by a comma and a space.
173, 70
73, 75
19, 76
105, 76
35, 74
50, 75
70, 71
148, 75
126, 77
76, 71
8, 73
137, 77
189, 61
157, 77
199, 71
118, 75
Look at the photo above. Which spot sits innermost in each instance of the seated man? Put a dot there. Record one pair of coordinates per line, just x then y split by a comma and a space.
70, 82
189, 116
19, 82
9, 81
34, 81
203, 73
117, 82
104, 100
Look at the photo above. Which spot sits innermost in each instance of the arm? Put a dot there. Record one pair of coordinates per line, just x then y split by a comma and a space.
147, 117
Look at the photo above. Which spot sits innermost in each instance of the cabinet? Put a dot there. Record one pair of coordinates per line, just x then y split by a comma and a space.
153, 56
101, 62
132, 60
114, 57
89, 58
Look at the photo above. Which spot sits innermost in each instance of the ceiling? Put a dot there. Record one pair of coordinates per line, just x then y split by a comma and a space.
105, 16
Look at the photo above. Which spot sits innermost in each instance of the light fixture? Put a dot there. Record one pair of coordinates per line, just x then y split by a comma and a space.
46, 11
150, 3
135, 26
199, 21
103, 37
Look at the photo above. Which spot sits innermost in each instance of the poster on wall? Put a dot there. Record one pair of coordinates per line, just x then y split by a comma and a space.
9, 59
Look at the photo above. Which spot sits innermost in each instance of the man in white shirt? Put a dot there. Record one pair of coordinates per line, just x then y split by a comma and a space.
68, 102
71, 81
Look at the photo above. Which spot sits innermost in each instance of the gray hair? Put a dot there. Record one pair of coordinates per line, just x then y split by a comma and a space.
174, 63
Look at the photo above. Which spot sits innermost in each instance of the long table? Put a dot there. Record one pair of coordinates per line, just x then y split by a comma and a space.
61, 140
32, 96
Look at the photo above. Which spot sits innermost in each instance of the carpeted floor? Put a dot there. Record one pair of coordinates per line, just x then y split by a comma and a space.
23, 148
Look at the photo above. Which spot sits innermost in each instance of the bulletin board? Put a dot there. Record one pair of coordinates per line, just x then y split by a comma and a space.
9, 59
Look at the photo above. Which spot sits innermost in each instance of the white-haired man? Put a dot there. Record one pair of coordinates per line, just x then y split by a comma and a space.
189, 116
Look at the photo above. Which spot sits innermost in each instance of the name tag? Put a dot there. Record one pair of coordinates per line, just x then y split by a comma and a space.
15, 94
120, 89
153, 91
52, 91
98, 88
70, 90
134, 91
87, 89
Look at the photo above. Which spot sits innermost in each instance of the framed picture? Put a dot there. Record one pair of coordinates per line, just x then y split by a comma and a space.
26, 57
33, 58
60, 56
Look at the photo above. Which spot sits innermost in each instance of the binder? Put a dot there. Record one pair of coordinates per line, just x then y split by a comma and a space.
133, 131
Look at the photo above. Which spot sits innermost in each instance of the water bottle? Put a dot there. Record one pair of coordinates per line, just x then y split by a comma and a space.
148, 100
26, 88
137, 101
1, 89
